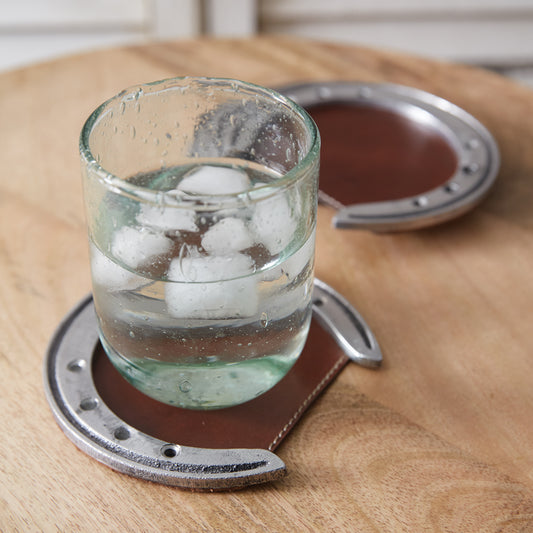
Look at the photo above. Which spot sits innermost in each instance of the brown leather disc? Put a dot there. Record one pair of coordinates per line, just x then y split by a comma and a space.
259, 423
373, 154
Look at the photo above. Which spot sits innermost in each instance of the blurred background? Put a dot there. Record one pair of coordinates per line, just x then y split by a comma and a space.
496, 34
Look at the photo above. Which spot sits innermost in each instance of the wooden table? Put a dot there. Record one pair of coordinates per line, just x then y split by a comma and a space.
439, 439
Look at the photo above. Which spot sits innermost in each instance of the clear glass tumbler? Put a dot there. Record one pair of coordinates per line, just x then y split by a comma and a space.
201, 199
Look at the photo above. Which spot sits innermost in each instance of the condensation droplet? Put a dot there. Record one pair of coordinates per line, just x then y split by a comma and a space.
185, 386
264, 320
132, 132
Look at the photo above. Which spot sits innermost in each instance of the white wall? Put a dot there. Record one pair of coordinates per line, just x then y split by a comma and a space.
34, 30
477, 31
495, 32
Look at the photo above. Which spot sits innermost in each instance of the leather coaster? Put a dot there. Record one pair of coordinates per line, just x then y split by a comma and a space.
259, 423
372, 154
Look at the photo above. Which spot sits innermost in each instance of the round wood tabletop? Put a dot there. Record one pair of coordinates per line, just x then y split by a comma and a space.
438, 439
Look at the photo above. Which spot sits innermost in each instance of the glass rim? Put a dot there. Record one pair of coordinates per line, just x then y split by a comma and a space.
145, 194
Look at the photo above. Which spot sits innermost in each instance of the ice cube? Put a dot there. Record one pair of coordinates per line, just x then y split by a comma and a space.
134, 246
110, 275
196, 292
196, 268
208, 179
273, 223
167, 218
228, 235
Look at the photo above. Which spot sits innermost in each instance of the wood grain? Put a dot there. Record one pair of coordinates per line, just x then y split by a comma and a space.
439, 439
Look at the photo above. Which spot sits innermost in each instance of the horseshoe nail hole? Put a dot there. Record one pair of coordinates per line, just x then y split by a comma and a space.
122, 433
324, 92
452, 187
170, 450
365, 92
318, 302
420, 202
472, 144
77, 365
88, 404
470, 169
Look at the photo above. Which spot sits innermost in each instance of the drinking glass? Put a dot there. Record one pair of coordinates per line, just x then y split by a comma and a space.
200, 197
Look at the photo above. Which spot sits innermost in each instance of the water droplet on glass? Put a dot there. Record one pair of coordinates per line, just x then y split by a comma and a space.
132, 335
122, 108
264, 320
185, 386
132, 132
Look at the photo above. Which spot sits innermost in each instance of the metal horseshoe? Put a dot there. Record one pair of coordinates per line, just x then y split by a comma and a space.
95, 429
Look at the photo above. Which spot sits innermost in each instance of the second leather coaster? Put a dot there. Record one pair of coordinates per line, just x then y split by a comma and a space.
396, 158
